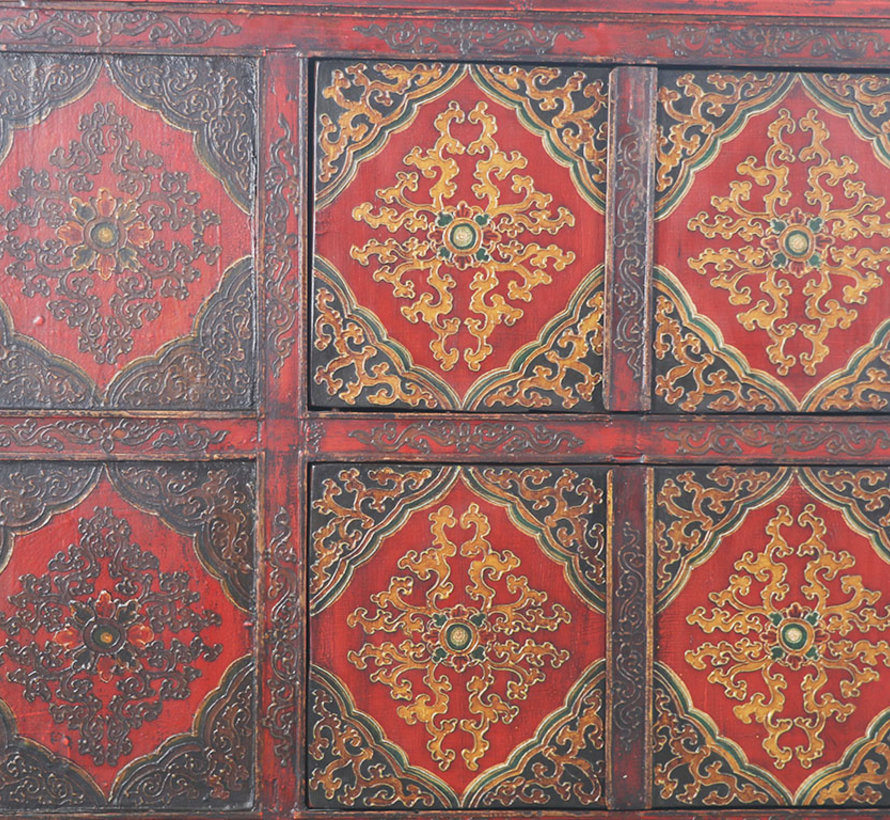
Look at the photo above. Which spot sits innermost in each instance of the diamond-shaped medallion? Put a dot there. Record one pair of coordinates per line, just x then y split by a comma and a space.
771, 647
457, 637
772, 242
458, 237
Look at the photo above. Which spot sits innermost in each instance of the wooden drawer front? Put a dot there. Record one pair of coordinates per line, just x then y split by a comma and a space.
771, 245
458, 236
457, 637
125, 643
126, 187
772, 658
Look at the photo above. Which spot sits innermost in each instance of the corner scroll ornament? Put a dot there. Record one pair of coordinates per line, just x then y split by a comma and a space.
759, 40
467, 36
468, 437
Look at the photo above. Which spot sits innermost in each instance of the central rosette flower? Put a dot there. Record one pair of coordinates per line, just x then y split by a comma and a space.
797, 243
107, 233
459, 637
465, 235
794, 636
104, 634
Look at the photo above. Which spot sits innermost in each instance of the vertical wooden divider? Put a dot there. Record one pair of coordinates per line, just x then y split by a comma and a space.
281, 260
629, 228
629, 638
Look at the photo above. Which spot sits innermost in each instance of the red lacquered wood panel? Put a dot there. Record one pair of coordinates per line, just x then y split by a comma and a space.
458, 237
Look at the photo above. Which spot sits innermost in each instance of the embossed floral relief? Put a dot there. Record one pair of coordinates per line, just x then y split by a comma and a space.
774, 647
773, 300
125, 662
470, 201
122, 205
450, 649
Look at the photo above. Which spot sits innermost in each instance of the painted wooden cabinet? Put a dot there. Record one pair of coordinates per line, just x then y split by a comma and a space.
421, 411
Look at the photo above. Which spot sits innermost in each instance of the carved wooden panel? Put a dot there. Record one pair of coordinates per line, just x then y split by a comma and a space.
772, 606
771, 242
126, 191
456, 637
126, 654
458, 236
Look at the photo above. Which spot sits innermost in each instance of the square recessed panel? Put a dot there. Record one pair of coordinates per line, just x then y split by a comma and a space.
458, 236
772, 253
126, 188
772, 653
457, 637
126, 658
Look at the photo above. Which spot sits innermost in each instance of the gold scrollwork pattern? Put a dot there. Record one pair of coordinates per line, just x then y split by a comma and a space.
563, 765
477, 638
567, 107
357, 359
563, 509
353, 508
360, 105
695, 370
693, 764
445, 234
777, 634
563, 367
790, 249
695, 509
354, 764
696, 114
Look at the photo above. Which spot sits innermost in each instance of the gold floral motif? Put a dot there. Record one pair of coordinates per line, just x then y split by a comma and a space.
487, 642
451, 237
791, 250
776, 634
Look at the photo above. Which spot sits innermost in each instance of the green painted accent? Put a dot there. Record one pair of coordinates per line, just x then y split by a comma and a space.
444, 219
477, 618
777, 653
779, 260
797, 243
815, 224
775, 618
812, 618
482, 255
778, 225
794, 636
444, 253
814, 261
439, 619
463, 235
482, 220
